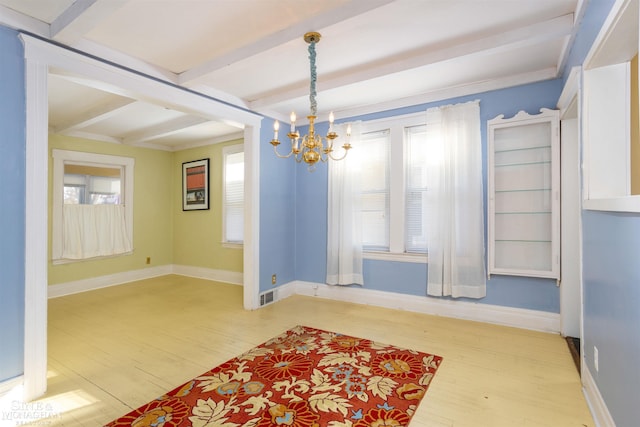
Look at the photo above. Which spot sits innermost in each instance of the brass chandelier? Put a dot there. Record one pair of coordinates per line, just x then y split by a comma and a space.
311, 148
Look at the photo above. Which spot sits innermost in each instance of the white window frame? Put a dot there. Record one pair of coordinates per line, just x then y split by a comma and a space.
396, 126
89, 159
229, 149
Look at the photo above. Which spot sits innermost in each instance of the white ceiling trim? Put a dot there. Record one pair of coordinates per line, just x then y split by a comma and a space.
94, 137
169, 127
140, 87
17, 20
94, 115
323, 20
515, 39
79, 18
125, 61
224, 138
566, 49
453, 92
218, 94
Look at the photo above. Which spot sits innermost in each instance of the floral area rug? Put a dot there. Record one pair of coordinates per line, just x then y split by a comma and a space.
304, 377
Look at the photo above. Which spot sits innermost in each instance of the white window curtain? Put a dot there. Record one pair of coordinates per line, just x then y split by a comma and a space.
455, 216
344, 224
93, 231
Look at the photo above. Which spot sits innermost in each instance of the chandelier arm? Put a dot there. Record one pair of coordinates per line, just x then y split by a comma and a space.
275, 150
338, 158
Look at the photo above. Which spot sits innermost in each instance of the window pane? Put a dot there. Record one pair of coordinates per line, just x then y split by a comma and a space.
416, 190
234, 197
73, 194
373, 159
92, 185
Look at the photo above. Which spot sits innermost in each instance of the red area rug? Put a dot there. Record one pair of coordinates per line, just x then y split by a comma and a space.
304, 377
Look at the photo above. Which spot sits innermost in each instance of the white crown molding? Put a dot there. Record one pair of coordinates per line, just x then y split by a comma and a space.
596, 403
453, 92
17, 20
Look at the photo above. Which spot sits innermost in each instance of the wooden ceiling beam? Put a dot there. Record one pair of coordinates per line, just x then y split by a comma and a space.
515, 39
331, 17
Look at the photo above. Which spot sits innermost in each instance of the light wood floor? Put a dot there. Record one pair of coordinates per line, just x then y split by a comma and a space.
114, 349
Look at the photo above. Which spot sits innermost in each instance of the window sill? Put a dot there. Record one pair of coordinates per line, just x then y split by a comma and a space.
404, 257
613, 204
229, 245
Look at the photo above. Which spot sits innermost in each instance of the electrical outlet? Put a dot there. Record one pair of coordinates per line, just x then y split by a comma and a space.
595, 357
148, 260
273, 279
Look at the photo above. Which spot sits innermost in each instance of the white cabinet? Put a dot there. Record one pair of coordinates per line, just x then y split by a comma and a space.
523, 165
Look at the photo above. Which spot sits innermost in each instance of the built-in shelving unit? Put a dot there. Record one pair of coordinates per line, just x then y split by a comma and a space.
524, 184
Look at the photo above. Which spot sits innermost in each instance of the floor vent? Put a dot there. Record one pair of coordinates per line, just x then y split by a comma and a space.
267, 297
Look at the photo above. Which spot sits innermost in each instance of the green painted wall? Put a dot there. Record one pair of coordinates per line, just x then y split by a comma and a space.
152, 216
197, 235
162, 231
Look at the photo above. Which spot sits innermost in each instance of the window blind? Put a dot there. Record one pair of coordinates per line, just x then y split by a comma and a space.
416, 190
234, 197
374, 158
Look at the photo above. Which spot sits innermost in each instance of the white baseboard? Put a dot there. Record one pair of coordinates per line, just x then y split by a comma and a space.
225, 276
507, 316
92, 283
596, 403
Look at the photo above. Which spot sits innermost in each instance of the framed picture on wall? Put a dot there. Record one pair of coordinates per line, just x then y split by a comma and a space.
195, 185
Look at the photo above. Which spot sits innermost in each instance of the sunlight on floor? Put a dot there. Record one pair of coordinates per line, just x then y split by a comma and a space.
45, 411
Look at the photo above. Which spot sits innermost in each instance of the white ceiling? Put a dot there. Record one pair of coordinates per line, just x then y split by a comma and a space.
373, 55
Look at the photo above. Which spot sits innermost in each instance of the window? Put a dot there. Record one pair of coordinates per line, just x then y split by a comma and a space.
416, 189
92, 205
375, 190
233, 194
90, 185
393, 162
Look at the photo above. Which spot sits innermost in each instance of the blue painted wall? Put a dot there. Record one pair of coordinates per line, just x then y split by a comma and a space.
410, 278
277, 215
612, 309
12, 208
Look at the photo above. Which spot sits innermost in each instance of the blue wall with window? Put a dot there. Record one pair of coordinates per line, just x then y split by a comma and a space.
12, 212
411, 278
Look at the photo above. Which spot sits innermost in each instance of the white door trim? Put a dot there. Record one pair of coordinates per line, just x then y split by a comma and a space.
39, 55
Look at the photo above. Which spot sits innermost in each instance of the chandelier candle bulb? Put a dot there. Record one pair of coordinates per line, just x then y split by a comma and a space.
276, 127
293, 122
331, 118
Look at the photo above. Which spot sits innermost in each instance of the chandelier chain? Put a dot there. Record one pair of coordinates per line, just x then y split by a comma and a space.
314, 75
